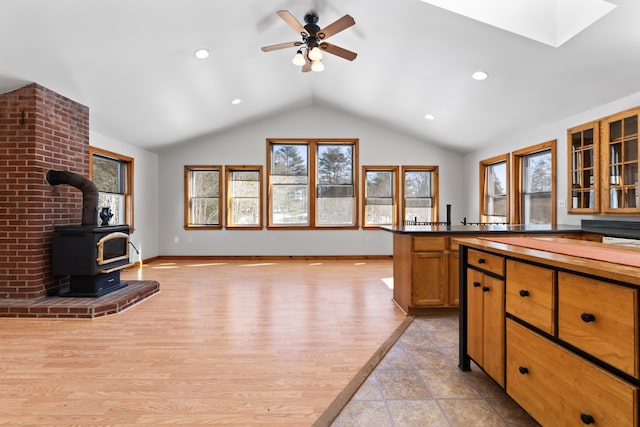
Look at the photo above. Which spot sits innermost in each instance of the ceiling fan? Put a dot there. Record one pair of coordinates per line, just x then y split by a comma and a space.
309, 54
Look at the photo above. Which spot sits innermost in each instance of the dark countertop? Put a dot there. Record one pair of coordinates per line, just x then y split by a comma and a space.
481, 229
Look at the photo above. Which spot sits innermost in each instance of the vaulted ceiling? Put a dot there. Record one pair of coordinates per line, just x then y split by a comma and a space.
132, 64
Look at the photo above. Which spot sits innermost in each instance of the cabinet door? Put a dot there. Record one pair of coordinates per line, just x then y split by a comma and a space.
454, 278
619, 173
493, 319
429, 279
475, 323
583, 160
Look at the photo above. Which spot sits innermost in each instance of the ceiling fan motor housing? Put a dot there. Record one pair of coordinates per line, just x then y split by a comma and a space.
312, 29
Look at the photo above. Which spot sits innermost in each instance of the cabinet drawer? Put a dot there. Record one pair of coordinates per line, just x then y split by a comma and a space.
429, 244
530, 294
599, 318
558, 388
485, 261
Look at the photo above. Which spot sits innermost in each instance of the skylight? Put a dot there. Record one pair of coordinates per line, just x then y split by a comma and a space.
552, 22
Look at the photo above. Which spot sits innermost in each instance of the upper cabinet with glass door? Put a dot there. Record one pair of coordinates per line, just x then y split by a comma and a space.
619, 176
584, 186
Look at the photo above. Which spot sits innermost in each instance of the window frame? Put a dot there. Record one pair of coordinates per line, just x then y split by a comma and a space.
228, 170
484, 166
518, 193
128, 163
435, 215
187, 197
312, 145
395, 196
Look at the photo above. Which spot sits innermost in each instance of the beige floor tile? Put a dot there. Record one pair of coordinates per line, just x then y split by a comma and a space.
363, 414
395, 358
416, 413
414, 337
444, 338
437, 323
448, 384
429, 359
512, 413
369, 390
470, 412
402, 384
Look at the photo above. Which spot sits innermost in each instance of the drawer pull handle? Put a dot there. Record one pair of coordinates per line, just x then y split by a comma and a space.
524, 293
587, 419
481, 261
523, 370
486, 289
588, 317
476, 284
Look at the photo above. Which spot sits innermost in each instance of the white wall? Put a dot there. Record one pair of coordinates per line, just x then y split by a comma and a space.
246, 145
145, 191
557, 131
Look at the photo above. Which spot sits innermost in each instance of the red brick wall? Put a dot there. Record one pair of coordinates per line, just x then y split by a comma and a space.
53, 133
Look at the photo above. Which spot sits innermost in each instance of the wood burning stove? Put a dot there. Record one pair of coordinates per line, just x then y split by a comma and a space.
92, 256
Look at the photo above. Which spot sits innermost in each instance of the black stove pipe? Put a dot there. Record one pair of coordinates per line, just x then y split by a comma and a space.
88, 188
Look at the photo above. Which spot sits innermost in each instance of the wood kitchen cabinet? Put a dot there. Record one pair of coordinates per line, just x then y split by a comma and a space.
426, 264
619, 177
584, 165
485, 321
571, 328
602, 165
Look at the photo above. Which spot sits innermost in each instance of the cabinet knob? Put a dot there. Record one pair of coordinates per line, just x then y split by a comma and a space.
486, 289
481, 261
587, 419
588, 317
524, 293
476, 284
523, 370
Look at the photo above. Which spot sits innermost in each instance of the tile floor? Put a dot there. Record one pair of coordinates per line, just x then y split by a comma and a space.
418, 383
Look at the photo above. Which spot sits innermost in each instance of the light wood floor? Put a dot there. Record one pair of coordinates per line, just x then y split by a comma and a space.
228, 342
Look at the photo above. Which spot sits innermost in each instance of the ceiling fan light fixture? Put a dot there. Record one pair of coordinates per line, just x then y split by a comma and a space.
317, 66
298, 59
315, 54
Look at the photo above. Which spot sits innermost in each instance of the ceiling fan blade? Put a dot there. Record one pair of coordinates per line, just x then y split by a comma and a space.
280, 46
334, 28
338, 51
292, 21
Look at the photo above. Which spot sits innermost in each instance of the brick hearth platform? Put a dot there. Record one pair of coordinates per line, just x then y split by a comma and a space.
81, 308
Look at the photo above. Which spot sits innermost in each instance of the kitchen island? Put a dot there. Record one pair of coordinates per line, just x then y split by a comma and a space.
426, 260
555, 322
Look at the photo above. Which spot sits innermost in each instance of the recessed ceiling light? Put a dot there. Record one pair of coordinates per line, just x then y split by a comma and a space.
201, 53
480, 75
429, 117
236, 101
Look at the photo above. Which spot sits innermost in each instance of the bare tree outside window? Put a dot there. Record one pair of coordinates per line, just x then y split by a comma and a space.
418, 196
335, 187
203, 197
109, 175
536, 194
289, 184
379, 197
244, 189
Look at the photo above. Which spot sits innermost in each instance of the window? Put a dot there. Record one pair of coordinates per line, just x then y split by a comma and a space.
420, 191
335, 188
244, 197
380, 191
494, 189
202, 197
312, 183
536, 186
113, 175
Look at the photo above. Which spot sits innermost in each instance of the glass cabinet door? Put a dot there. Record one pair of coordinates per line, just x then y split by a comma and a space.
583, 160
620, 163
